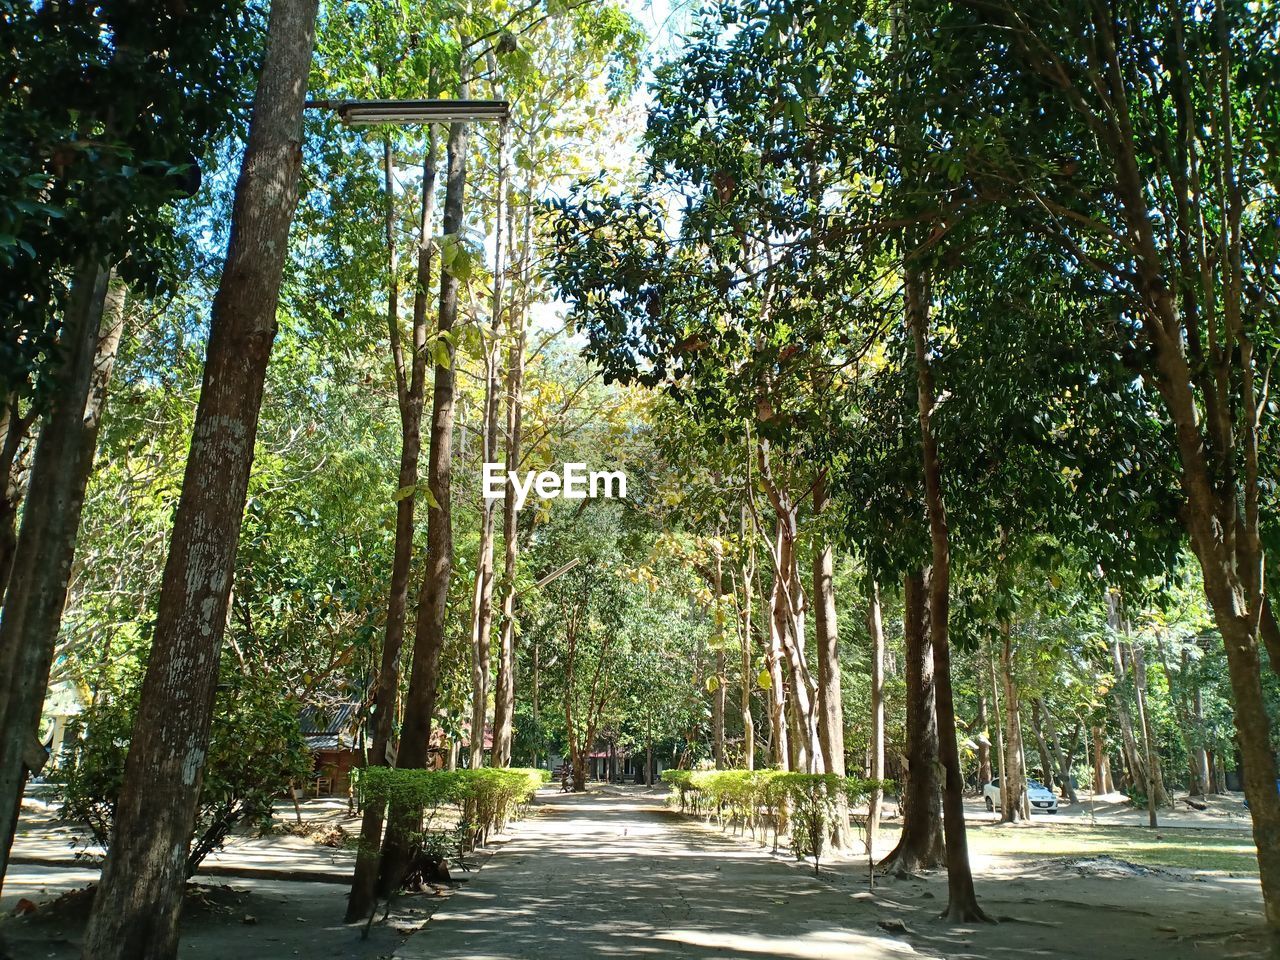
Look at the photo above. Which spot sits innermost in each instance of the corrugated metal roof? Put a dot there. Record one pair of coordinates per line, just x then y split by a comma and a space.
334, 720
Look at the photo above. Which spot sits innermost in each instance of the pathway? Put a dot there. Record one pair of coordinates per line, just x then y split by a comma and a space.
608, 875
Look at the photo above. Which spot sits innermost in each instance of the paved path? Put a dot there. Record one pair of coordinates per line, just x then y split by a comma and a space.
603, 875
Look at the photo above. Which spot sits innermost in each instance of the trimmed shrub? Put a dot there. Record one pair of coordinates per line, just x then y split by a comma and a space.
803, 805
475, 802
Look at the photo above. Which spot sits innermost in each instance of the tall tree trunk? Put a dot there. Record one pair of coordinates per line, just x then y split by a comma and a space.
830, 705
1156, 798
1133, 759
1000, 754
429, 629
962, 901
984, 741
1042, 745
410, 388
1186, 721
745, 624
778, 721
46, 543
504, 681
718, 693
14, 433
1013, 777
1065, 784
482, 595
920, 844
32, 615
1233, 587
875, 627
787, 607
1101, 764
135, 911
1199, 756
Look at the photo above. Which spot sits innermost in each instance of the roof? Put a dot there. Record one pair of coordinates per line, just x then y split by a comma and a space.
329, 727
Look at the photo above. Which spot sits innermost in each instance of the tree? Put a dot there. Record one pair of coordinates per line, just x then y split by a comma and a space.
136, 907
1165, 217
102, 104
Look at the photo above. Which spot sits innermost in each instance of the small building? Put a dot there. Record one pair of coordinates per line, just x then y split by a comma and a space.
331, 735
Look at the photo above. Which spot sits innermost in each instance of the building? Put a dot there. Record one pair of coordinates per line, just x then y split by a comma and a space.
335, 739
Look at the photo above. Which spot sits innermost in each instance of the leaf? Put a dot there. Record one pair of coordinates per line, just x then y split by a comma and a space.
440, 354
763, 680
404, 492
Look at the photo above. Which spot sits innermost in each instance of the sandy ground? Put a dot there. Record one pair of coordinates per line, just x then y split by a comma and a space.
615, 873
244, 919
1223, 812
261, 898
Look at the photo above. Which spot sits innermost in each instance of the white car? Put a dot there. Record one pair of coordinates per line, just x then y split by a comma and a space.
1040, 796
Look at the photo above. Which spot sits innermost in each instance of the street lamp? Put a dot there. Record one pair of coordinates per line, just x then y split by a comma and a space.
365, 112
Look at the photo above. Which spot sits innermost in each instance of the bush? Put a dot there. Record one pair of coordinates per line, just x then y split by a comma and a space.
255, 749
806, 803
483, 800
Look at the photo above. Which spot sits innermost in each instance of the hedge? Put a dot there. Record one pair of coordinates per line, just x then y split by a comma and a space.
805, 803
481, 800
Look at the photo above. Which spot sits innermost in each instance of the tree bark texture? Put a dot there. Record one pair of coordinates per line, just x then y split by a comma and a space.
135, 911
429, 629
410, 388
32, 615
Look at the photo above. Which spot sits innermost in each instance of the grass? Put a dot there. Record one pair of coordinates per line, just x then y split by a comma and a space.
1229, 851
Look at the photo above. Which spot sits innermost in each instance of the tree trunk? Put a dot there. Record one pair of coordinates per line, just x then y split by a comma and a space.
962, 901
429, 630
920, 845
1065, 783
482, 595
1101, 764
777, 699
1133, 760
787, 610
410, 394
1013, 777
744, 642
875, 627
1186, 721
1042, 745
999, 727
46, 546
504, 682
1199, 756
830, 705
984, 741
1233, 587
14, 433
135, 911
1156, 797
718, 693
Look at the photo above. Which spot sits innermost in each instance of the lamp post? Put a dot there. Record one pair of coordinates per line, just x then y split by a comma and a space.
355, 113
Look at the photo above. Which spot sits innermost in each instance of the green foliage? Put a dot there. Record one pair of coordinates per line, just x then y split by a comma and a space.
256, 749
107, 114
485, 799
808, 803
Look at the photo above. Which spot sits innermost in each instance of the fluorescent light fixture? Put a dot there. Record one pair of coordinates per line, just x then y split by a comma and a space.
364, 112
